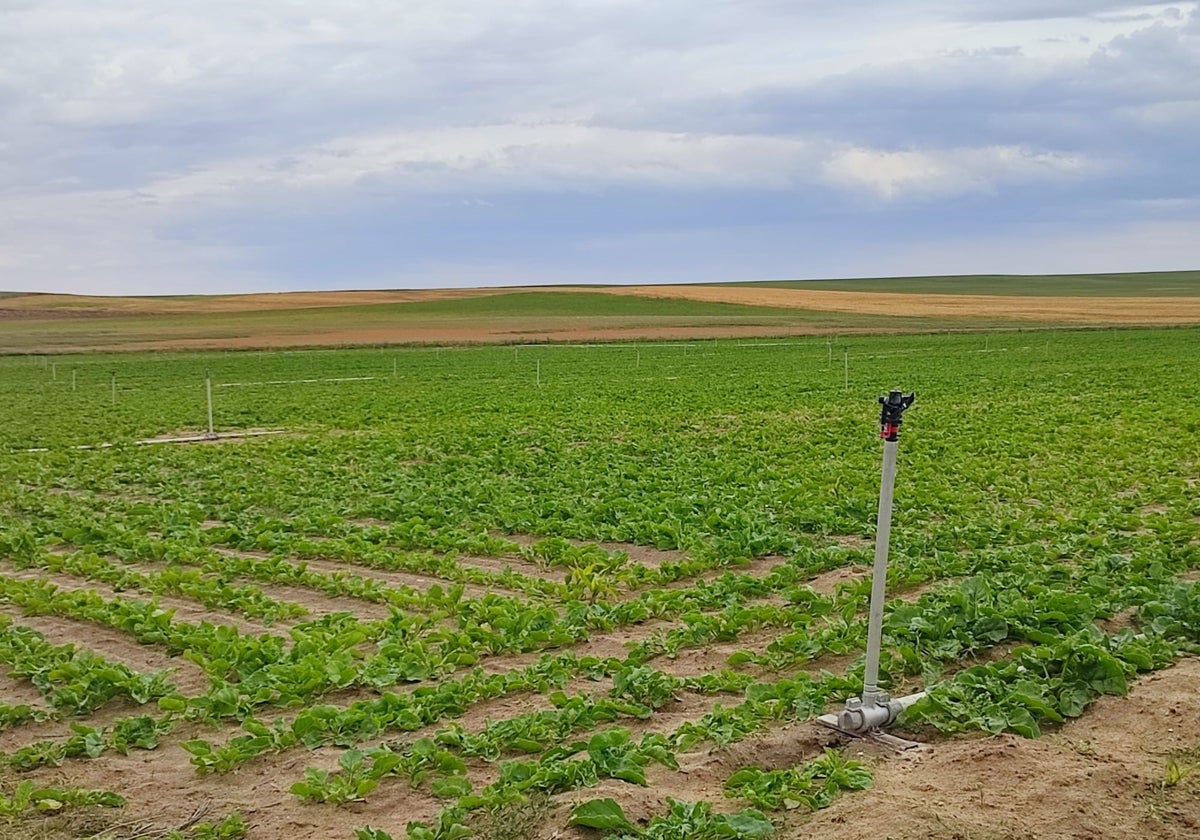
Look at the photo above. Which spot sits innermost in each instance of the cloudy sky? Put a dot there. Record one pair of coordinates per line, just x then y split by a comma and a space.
238, 145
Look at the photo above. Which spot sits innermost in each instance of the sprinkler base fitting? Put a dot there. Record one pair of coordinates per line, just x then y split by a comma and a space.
865, 719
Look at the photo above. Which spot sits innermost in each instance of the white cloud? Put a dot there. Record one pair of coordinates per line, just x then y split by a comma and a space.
895, 174
524, 155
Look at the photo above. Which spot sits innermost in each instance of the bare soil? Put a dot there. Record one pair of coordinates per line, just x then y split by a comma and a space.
1101, 777
1078, 310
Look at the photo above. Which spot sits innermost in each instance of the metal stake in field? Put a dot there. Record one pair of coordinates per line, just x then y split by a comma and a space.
875, 709
208, 389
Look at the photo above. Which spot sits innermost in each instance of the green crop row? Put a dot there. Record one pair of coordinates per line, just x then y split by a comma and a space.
72, 681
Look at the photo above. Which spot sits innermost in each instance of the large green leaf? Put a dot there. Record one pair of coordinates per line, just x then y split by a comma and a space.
604, 814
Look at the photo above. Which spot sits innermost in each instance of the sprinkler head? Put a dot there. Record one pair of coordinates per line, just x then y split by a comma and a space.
891, 415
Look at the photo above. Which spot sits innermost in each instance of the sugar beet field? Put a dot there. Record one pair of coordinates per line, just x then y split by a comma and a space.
597, 591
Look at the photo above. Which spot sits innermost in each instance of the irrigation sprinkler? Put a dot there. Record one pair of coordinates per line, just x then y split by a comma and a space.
865, 715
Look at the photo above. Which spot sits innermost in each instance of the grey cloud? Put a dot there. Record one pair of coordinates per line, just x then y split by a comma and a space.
785, 112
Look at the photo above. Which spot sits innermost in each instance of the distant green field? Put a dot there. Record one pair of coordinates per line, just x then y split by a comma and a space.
1148, 284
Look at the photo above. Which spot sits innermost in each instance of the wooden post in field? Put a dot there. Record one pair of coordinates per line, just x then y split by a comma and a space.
639, 357
72, 379
114, 389
846, 366
538, 375
54, 372
829, 343
394, 366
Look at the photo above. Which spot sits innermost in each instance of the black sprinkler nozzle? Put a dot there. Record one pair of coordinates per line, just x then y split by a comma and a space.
891, 415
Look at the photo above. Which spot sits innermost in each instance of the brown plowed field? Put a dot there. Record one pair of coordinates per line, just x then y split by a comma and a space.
41, 323
1075, 310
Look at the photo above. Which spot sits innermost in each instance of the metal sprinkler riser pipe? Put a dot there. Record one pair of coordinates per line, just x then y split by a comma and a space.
891, 415
876, 709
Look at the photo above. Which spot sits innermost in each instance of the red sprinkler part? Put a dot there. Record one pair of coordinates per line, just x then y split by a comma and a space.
892, 413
